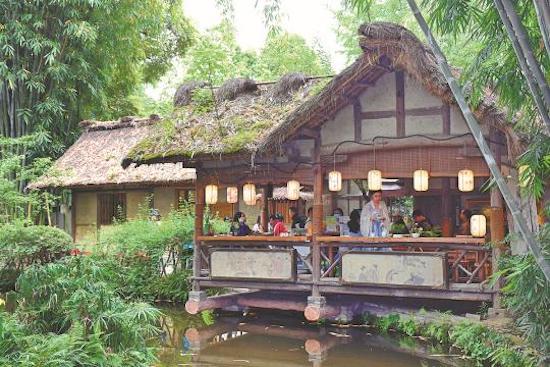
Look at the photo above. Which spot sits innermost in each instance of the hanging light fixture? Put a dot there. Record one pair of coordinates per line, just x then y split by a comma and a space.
249, 194
211, 194
466, 180
421, 180
293, 190
334, 178
232, 194
374, 177
421, 176
478, 225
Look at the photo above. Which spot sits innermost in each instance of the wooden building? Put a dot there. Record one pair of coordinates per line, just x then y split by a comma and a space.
101, 189
390, 112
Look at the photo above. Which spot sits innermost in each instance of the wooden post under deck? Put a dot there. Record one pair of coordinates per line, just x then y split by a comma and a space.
199, 218
316, 303
265, 209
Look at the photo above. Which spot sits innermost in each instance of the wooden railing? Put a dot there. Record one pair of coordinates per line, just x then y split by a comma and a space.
468, 259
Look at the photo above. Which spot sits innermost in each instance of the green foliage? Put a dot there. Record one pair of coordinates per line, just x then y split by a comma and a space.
22, 246
536, 159
203, 100
62, 61
479, 343
70, 314
138, 249
527, 293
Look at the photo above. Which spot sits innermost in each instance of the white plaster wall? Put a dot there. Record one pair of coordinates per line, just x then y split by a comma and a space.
164, 199
381, 96
427, 125
458, 124
417, 96
378, 127
340, 128
306, 146
135, 200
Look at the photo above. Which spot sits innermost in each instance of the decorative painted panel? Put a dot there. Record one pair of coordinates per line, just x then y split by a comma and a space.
395, 269
253, 264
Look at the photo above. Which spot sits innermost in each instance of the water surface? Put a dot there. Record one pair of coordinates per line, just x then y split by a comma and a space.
269, 340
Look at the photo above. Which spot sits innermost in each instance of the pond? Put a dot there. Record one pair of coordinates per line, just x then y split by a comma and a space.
283, 339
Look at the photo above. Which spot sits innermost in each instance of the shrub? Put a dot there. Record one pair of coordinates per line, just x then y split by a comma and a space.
140, 248
70, 314
527, 294
21, 246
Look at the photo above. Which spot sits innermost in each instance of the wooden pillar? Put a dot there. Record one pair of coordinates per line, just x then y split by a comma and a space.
497, 227
199, 223
265, 209
317, 222
446, 207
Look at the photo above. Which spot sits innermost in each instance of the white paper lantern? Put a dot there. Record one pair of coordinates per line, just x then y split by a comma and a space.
293, 190
232, 195
421, 180
466, 180
211, 194
478, 225
335, 181
374, 179
249, 194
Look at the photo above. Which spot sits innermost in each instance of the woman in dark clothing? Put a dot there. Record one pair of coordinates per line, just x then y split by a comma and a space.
464, 217
239, 226
354, 223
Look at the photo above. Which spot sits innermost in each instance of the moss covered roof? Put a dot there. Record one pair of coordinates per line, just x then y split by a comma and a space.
236, 118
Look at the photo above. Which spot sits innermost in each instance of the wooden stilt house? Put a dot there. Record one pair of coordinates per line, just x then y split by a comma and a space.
388, 118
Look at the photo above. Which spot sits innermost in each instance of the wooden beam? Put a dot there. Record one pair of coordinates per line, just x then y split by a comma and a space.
420, 111
357, 110
400, 102
446, 117
310, 133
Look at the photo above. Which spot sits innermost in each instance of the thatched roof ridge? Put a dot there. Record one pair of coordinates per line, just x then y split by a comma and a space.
387, 47
94, 160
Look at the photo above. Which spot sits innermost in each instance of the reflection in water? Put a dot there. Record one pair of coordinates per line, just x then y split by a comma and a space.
284, 341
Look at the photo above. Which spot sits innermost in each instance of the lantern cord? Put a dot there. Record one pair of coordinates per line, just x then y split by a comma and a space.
433, 138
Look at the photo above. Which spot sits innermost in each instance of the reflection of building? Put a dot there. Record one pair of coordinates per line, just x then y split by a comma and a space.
283, 342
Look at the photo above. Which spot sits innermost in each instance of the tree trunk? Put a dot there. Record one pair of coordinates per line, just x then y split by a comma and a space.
456, 89
542, 7
531, 69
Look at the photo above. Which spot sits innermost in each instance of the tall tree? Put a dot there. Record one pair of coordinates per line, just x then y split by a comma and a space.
62, 61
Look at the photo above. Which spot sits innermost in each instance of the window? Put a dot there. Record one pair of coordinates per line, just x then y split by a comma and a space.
111, 206
186, 195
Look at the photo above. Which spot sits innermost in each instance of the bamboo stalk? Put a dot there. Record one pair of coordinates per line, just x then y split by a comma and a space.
542, 8
524, 230
520, 41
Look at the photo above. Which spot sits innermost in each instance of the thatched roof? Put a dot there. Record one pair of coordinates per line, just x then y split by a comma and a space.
254, 123
95, 159
281, 193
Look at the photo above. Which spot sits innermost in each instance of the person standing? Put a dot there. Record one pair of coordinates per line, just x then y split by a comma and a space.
375, 218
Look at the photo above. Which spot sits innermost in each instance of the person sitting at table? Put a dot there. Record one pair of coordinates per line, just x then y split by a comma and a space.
354, 223
276, 221
257, 228
309, 221
239, 226
464, 218
375, 218
298, 221
421, 221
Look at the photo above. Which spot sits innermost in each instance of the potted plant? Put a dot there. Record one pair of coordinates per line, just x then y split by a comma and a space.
416, 231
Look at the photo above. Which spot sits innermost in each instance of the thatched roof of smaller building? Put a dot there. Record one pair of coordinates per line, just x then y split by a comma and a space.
94, 160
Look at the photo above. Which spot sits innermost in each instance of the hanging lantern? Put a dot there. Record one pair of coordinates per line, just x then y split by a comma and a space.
335, 181
249, 194
293, 190
211, 194
232, 195
420, 180
478, 225
466, 180
374, 180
